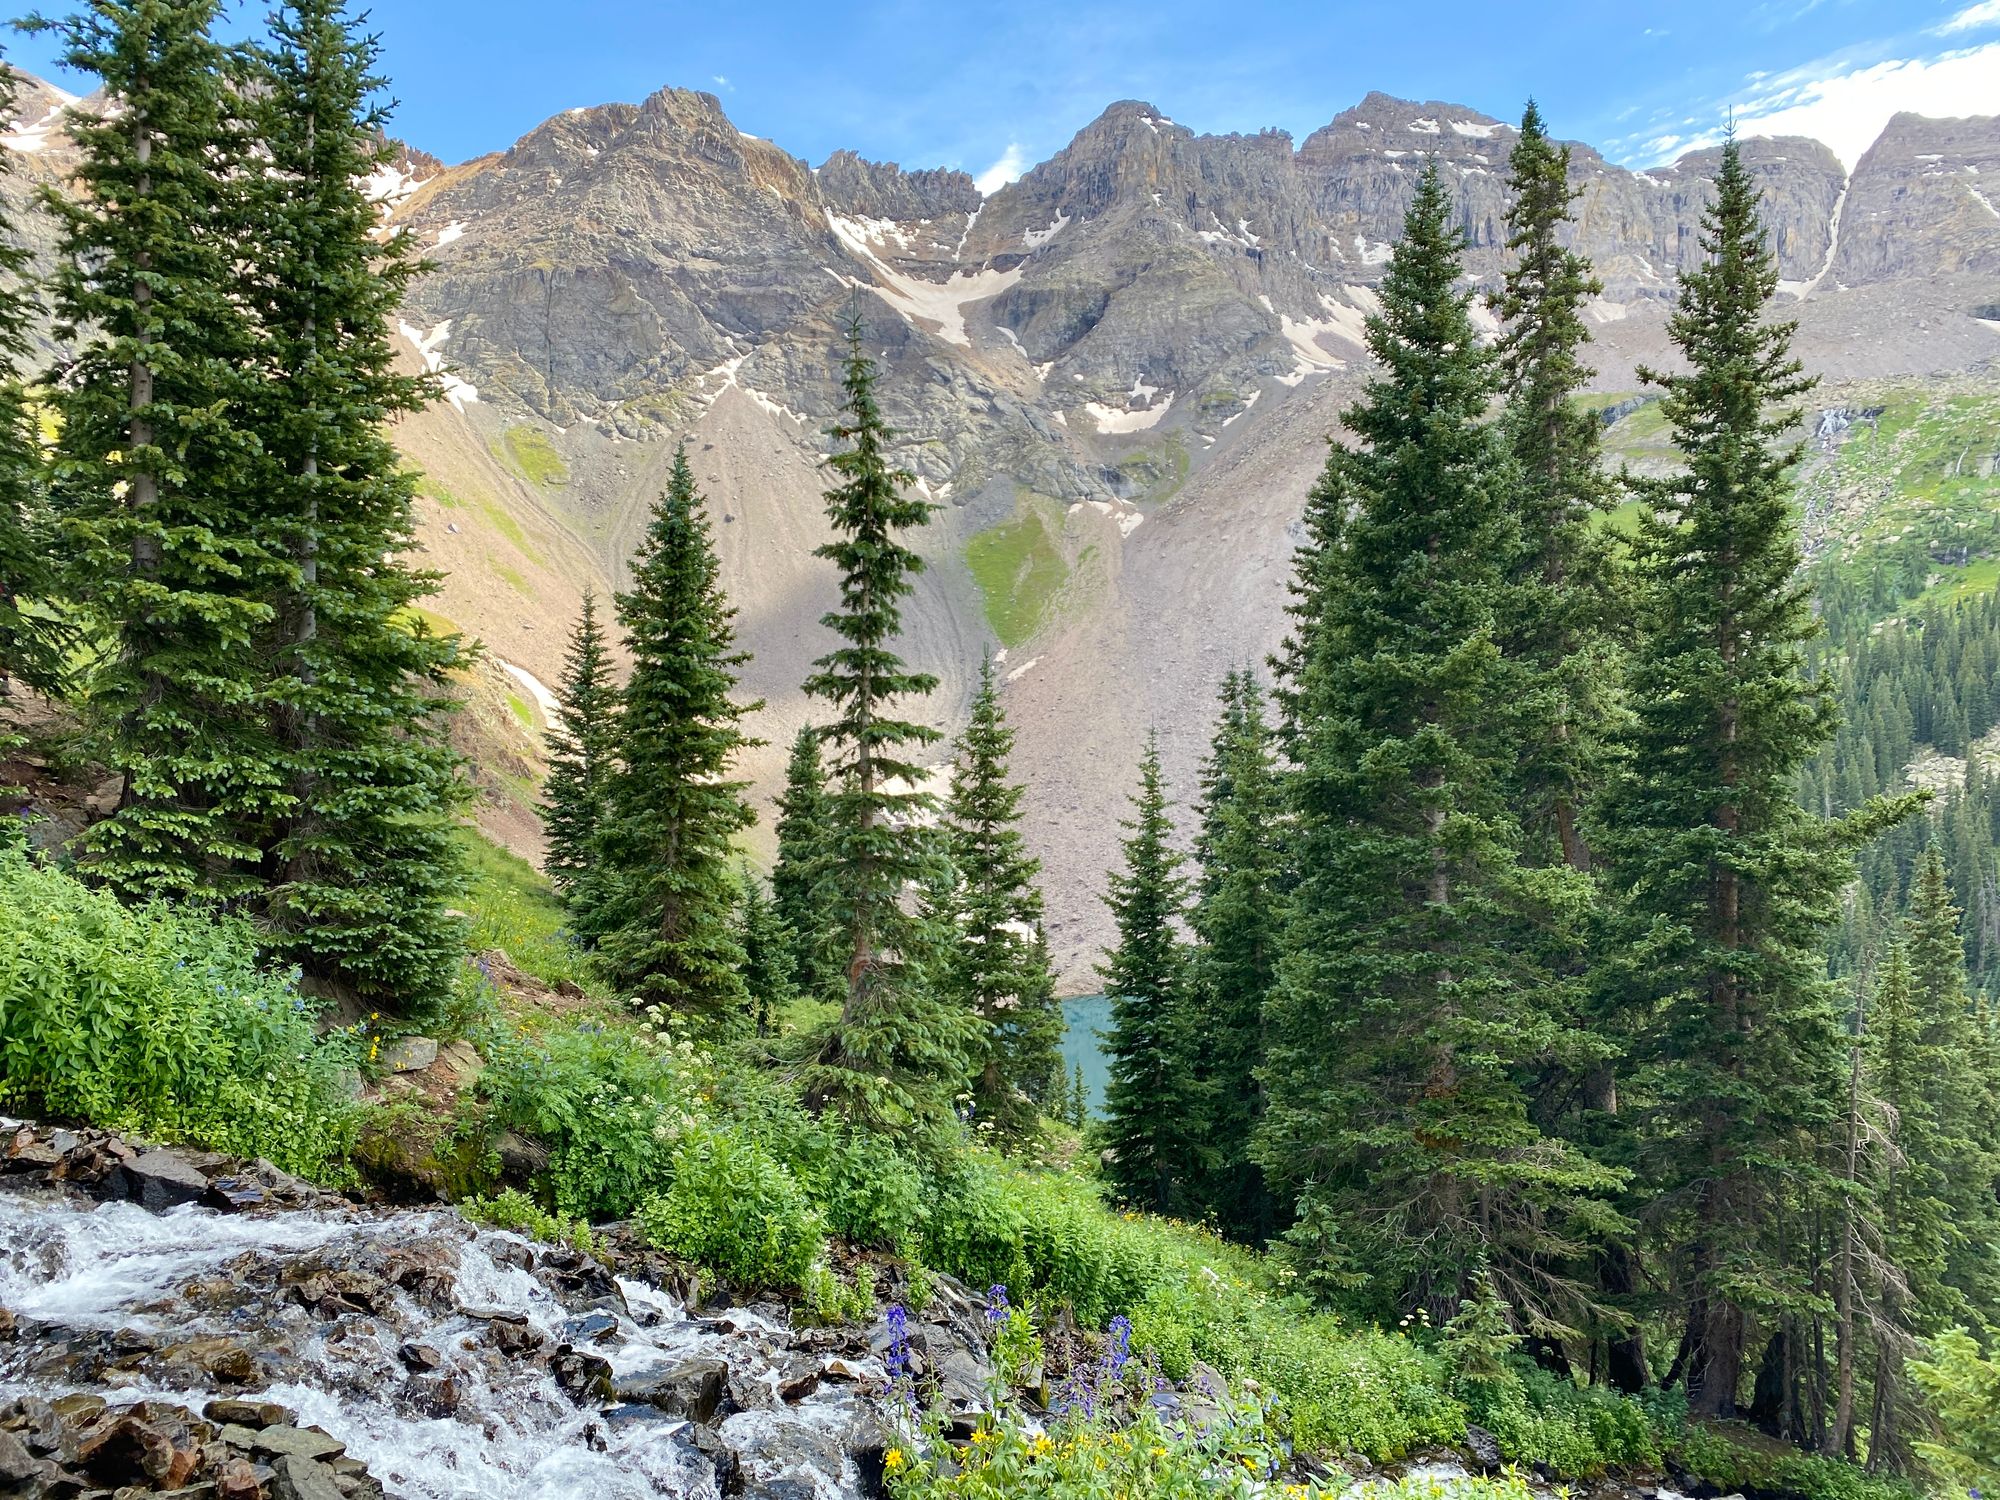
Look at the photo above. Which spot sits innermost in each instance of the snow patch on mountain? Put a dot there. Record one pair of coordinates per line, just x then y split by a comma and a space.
1036, 238
457, 390
940, 302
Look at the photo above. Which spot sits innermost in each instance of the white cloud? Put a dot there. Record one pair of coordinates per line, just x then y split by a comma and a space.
1972, 18
1848, 109
1011, 165
723, 83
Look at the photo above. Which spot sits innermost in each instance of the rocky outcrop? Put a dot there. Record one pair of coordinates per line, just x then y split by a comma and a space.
232, 1450
1925, 202
877, 190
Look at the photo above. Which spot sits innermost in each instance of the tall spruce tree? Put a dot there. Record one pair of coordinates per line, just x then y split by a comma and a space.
362, 859
664, 889
1149, 1103
1725, 885
1407, 1006
997, 965
583, 747
31, 646
802, 880
1237, 921
1558, 620
767, 951
1951, 1129
165, 536
899, 1054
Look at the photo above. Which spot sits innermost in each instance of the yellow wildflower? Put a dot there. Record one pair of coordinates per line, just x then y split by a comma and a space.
893, 1460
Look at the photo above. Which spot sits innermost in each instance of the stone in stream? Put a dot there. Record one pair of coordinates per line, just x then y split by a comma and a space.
254, 1414
295, 1478
692, 1389
122, 1449
285, 1441
160, 1180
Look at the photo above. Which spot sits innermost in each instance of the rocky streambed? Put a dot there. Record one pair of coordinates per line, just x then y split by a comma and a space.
185, 1324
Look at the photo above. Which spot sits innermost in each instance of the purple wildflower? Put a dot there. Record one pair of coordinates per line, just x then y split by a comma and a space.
996, 1303
898, 1358
1118, 1352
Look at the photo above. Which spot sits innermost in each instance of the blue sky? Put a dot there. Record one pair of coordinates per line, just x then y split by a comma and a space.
993, 87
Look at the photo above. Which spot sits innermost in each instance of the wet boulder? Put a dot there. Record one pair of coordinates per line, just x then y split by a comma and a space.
693, 1389
160, 1180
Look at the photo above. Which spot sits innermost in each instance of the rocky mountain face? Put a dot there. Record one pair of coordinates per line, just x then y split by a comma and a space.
1114, 377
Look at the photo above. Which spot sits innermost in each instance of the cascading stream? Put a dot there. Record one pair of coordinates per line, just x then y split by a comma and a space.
129, 1304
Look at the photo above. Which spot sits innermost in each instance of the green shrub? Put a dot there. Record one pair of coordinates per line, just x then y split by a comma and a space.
514, 1210
1964, 1388
734, 1208
1714, 1456
973, 1231
868, 1193
612, 1107
160, 1021
1079, 1252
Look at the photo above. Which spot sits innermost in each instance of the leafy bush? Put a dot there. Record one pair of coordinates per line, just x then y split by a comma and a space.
1576, 1430
869, 1194
973, 1231
1715, 1457
612, 1107
735, 1209
1965, 1392
514, 1210
160, 1021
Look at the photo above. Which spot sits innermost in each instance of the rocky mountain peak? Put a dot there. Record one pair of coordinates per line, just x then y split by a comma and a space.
882, 190
1926, 195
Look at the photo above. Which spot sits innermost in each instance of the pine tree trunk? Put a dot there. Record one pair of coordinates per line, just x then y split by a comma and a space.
1840, 1435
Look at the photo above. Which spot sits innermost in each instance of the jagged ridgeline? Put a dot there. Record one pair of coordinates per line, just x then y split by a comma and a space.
1113, 376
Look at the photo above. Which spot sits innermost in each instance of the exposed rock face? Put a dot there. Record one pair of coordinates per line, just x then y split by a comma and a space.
1925, 202
1132, 355
874, 190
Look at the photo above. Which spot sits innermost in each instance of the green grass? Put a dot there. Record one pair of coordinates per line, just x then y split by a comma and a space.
513, 908
521, 710
510, 576
508, 527
445, 499
1019, 569
1906, 484
1157, 474
533, 455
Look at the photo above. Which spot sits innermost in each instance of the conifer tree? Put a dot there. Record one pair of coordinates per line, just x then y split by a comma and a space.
1407, 1005
802, 881
31, 646
165, 539
899, 1054
1726, 885
1952, 1124
997, 963
767, 951
362, 860
582, 758
1558, 620
1148, 1105
1313, 560
667, 928
1237, 921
